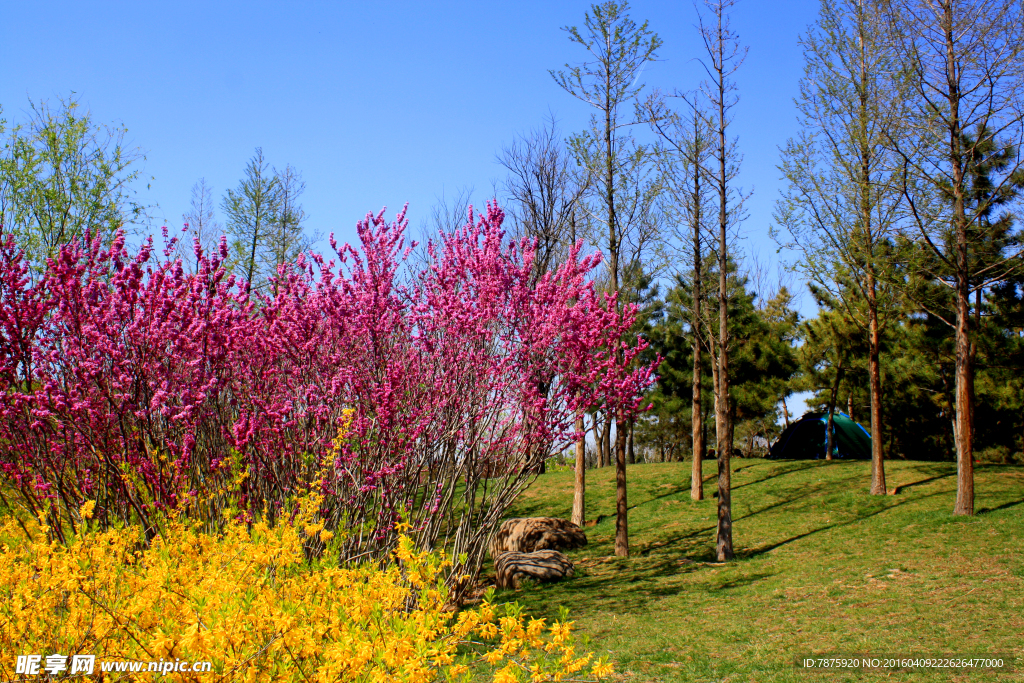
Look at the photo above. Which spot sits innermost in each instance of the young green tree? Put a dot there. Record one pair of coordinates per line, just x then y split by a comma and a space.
967, 76
610, 82
252, 211
832, 344
763, 360
286, 237
842, 205
683, 159
62, 174
725, 55
991, 239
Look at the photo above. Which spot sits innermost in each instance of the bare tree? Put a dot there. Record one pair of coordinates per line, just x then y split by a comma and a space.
546, 193
724, 56
447, 215
843, 203
546, 196
200, 223
620, 51
967, 77
683, 158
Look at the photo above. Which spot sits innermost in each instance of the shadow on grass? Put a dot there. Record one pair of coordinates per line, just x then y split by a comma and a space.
654, 564
798, 466
675, 491
1004, 506
903, 487
838, 525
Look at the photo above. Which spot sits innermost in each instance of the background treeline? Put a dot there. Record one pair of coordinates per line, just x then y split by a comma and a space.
781, 355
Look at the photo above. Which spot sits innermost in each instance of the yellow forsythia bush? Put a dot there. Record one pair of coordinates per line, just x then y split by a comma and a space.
248, 601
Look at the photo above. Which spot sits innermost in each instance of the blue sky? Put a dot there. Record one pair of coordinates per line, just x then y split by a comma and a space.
377, 104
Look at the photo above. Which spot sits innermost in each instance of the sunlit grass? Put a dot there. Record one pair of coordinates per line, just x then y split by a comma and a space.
822, 568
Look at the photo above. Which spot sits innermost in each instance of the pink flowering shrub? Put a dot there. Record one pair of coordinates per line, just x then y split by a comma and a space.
126, 381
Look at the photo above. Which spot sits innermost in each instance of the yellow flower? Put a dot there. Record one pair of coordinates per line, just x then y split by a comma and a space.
86, 510
247, 600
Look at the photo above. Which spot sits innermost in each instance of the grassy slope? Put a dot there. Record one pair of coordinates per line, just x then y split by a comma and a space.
822, 567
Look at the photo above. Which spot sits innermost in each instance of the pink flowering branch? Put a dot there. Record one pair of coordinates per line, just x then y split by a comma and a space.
130, 382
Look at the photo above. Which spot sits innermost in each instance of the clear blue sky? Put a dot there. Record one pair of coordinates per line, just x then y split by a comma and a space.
376, 103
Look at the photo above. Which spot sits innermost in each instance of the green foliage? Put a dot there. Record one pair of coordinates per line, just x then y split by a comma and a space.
62, 174
762, 364
918, 368
265, 220
919, 357
251, 209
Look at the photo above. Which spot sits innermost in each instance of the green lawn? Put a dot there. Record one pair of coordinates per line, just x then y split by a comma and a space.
822, 568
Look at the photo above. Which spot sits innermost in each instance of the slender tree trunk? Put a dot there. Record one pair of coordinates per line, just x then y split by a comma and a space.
724, 535
579, 491
785, 412
830, 427
874, 365
964, 370
716, 387
598, 439
578, 513
697, 470
606, 435
621, 530
875, 380
630, 452
704, 436
621, 508
964, 409
251, 268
